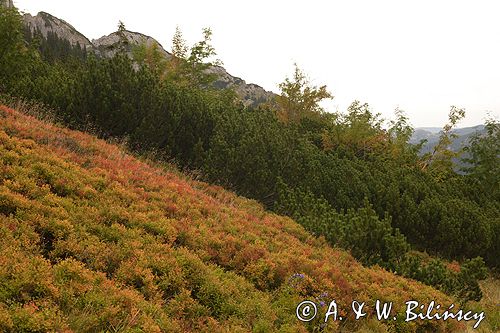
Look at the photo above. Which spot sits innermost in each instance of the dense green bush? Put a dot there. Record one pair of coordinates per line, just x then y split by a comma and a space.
374, 241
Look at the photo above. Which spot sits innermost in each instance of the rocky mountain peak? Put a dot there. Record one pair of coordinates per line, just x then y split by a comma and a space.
45, 23
107, 46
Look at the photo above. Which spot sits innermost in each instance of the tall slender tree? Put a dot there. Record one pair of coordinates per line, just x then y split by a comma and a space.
299, 98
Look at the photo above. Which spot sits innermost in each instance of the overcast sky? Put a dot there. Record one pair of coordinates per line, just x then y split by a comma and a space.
422, 56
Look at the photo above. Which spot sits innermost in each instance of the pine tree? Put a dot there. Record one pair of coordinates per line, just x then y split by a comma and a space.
123, 42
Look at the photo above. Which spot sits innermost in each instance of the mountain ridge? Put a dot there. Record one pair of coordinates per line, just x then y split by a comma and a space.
45, 23
250, 94
432, 134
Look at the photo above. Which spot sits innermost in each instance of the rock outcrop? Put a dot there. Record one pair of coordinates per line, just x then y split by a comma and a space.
7, 3
108, 46
251, 94
44, 22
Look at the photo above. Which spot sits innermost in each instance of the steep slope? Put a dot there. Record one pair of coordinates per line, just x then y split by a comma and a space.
251, 94
45, 23
93, 239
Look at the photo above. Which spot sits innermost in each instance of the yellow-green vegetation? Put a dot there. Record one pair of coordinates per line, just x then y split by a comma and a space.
94, 240
490, 303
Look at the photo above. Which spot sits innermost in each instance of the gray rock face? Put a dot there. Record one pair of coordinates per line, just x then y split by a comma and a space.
251, 94
46, 22
108, 46
7, 3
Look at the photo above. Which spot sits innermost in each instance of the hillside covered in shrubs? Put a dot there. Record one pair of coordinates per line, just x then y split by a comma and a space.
350, 179
94, 239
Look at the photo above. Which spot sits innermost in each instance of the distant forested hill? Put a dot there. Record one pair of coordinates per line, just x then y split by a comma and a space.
431, 134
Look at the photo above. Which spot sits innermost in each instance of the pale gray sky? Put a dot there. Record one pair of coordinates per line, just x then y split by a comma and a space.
422, 56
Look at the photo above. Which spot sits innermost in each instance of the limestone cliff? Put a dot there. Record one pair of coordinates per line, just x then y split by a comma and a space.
44, 22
